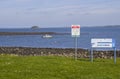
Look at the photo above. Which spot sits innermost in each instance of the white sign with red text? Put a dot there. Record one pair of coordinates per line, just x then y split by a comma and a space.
75, 30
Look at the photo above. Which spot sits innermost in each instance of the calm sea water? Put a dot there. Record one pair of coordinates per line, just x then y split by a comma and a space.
59, 41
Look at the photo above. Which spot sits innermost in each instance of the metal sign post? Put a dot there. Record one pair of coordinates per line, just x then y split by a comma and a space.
75, 32
76, 48
91, 55
114, 55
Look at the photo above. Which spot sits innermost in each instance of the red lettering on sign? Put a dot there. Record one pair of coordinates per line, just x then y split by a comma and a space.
75, 26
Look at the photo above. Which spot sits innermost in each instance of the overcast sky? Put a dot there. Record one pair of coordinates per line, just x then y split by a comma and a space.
58, 13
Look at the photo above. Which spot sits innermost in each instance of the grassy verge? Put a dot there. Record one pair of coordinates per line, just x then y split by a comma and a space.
52, 67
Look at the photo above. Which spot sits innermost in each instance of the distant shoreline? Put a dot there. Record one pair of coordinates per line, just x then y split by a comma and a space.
31, 33
36, 33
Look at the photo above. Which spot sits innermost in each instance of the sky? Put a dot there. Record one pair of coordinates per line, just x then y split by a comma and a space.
58, 13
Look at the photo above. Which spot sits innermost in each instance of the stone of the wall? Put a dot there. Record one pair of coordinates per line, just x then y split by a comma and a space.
68, 52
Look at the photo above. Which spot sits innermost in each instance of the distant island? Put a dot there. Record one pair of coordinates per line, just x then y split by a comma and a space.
116, 26
35, 27
112, 26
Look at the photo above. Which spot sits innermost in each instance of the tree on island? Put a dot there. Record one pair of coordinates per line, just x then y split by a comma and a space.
34, 27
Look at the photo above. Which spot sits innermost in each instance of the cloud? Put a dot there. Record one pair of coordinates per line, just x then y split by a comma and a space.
50, 12
69, 10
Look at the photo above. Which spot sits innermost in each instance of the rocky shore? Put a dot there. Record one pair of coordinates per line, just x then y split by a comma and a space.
36, 33
31, 33
68, 52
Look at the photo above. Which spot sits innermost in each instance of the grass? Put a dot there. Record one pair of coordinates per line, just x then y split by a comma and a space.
53, 67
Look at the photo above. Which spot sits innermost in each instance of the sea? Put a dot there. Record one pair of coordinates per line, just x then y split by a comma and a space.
61, 40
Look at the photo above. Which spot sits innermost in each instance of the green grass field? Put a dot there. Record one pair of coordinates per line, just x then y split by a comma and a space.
53, 67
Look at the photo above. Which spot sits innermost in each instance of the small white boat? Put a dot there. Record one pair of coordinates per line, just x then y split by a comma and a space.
47, 36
